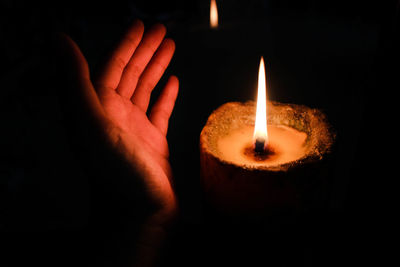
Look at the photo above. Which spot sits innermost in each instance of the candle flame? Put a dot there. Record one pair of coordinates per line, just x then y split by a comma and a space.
213, 14
260, 128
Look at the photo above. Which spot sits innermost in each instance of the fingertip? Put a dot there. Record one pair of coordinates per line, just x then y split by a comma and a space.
158, 27
169, 44
56, 36
69, 54
174, 79
61, 40
136, 29
137, 23
173, 84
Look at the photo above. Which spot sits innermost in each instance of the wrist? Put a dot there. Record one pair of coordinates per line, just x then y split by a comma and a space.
153, 235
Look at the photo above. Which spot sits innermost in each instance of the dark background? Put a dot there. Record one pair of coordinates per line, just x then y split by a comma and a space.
338, 56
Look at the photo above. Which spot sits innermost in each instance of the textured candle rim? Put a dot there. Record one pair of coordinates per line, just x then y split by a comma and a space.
320, 134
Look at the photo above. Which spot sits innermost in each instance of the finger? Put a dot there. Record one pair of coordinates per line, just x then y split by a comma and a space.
145, 51
80, 106
162, 109
111, 75
153, 73
74, 78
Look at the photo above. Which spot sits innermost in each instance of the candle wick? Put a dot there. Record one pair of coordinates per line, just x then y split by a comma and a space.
259, 146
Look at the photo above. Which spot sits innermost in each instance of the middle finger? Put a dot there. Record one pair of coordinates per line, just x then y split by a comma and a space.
138, 62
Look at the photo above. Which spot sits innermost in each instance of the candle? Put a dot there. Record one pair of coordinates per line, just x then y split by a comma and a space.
265, 157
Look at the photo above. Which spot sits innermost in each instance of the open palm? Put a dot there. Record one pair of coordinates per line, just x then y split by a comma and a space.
119, 99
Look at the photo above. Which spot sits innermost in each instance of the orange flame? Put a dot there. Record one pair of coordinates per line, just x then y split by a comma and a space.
260, 127
213, 14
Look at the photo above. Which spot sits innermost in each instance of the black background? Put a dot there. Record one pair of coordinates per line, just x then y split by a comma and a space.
338, 56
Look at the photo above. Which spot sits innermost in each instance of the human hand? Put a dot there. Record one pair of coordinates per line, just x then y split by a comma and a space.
112, 112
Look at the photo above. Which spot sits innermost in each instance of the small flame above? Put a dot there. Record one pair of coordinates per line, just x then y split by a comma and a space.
213, 14
260, 128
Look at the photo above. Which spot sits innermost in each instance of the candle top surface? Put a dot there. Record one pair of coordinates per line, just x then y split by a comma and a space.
285, 145
298, 134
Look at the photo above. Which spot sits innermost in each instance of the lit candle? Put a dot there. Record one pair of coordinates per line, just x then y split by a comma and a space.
213, 15
256, 158
251, 145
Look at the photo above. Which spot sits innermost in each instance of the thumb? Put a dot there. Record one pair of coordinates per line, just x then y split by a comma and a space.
83, 115
69, 56
72, 77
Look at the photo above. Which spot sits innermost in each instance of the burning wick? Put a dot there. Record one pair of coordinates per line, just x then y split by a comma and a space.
260, 137
259, 146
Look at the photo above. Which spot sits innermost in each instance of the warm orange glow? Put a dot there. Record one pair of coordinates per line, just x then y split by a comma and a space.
213, 14
260, 128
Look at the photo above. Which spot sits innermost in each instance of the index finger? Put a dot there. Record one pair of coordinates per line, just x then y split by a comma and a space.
111, 74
